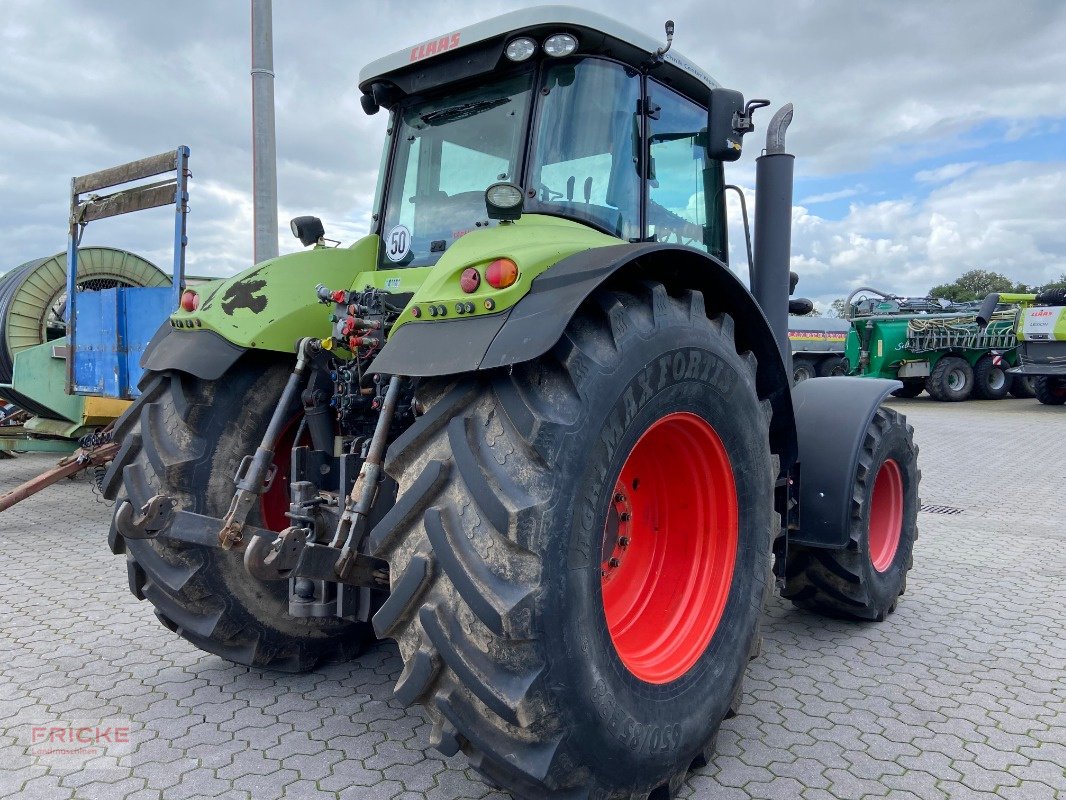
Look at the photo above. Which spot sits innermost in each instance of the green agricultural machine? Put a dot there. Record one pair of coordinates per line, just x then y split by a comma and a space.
934, 347
1040, 326
531, 427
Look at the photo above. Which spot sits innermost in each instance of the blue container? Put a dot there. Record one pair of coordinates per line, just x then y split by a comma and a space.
114, 326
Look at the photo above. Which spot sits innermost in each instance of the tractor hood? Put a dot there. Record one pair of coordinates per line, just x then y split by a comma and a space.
272, 304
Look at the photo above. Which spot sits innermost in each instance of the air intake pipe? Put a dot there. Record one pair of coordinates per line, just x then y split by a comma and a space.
773, 230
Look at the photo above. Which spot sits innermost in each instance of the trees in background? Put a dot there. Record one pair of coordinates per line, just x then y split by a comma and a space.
977, 283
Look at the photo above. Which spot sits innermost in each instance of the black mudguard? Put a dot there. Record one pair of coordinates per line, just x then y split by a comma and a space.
201, 353
537, 321
832, 415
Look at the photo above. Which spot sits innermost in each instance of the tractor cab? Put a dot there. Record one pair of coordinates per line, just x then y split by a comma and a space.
591, 120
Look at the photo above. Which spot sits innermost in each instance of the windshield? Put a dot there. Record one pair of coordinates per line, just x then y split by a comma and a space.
448, 151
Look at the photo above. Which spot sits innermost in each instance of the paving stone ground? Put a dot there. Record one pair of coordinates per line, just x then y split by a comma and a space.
961, 693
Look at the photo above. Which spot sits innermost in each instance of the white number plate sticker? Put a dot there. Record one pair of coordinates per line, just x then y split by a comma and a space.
398, 243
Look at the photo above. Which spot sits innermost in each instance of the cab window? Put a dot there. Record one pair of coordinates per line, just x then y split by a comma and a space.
685, 198
583, 161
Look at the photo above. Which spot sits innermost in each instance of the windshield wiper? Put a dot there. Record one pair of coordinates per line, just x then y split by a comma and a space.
461, 111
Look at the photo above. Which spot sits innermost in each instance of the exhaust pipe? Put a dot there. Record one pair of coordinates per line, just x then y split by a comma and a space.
773, 230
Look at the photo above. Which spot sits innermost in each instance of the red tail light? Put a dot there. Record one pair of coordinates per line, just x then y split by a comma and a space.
190, 300
470, 280
501, 273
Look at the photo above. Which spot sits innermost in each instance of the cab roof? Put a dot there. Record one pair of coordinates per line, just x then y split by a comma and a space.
477, 49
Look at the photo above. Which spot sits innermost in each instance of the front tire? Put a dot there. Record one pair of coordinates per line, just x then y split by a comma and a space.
803, 368
1021, 386
990, 382
1049, 390
513, 485
185, 438
910, 388
865, 579
833, 367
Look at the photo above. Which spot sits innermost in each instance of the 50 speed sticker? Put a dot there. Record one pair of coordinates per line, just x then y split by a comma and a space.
398, 243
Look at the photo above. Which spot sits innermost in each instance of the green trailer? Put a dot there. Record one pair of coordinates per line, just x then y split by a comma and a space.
946, 353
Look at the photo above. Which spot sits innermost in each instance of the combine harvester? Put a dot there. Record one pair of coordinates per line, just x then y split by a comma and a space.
1040, 325
73, 326
932, 345
534, 428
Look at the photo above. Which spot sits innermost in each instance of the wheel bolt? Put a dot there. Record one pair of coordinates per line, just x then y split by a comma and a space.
614, 562
619, 497
623, 541
624, 516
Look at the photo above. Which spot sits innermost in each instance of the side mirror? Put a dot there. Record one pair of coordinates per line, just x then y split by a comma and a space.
724, 109
728, 119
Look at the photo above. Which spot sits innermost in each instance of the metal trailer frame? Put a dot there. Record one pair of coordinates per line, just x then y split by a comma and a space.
170, 191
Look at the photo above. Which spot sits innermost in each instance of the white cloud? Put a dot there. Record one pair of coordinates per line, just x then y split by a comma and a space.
992, 217
828, 197
948, 172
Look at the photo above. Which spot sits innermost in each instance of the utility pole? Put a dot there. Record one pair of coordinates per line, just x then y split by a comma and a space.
264, 146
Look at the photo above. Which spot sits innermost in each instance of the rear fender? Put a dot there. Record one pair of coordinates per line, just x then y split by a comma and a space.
832, 415
536, 322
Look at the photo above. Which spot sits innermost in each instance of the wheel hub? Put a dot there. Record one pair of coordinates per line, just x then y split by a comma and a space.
669, 547
617, 533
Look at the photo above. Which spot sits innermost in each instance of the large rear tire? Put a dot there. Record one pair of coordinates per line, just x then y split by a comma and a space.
185, 437
1049, 390
865, 579
516, 601
951, 380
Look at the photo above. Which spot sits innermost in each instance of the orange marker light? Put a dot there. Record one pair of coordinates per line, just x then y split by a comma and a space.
190, 300
501, 273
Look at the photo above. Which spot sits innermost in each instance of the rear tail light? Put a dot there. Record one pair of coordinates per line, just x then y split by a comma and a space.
501, 273
190, 300
470, 280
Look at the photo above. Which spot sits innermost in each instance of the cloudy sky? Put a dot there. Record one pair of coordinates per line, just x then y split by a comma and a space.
930, 136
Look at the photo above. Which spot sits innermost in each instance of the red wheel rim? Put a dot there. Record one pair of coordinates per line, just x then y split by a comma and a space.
274, 502
886, 515
670, 543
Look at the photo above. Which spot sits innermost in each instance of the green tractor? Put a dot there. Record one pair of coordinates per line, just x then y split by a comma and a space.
534, 429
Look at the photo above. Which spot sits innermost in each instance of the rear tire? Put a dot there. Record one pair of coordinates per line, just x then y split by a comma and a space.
803, 368
185, 437
1050, 391
866, 578
1021, 386
951, 380
497, 548
832, 367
